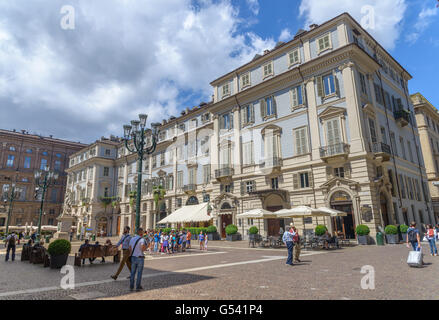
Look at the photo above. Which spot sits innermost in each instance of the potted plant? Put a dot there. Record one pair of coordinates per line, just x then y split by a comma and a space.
211, 233
232, 233
320, 230
403, 228
253, 231
59, 252
362, 232
391, 234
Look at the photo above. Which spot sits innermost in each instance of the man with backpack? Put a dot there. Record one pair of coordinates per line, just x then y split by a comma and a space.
413, 237
10, 243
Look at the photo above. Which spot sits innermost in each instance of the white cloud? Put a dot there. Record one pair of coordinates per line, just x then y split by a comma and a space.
123, 58
285, 35
422, 23
253, 6
387, 15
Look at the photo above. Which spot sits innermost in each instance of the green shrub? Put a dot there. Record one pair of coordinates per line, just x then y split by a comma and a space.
253, 230
211, 229
391, 229
403, 228
59, 247
231, 229
362, 230
320, 230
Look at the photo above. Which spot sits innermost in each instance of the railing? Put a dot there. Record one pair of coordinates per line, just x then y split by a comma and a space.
379, 147
271, 163
402, 115
224, 172
334, 149
190, 187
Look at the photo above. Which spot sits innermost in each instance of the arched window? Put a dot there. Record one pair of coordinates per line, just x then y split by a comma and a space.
192, 201
226, 205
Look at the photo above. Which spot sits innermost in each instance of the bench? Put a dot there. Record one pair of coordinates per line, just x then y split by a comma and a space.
97, 251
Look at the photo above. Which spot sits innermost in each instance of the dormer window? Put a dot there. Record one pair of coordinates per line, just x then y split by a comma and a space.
245, 80
324, 43
294, 57
226, 90
268, 69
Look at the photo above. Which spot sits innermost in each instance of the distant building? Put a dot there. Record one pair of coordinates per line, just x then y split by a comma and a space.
21, 154
427, 117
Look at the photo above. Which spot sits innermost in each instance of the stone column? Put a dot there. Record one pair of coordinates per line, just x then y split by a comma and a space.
237, 141
214, 145
314, 130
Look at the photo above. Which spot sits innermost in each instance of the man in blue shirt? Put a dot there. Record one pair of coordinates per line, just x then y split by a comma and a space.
125, 242
413, 237
288, 240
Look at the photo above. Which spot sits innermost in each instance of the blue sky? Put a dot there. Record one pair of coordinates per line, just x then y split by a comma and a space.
159, 56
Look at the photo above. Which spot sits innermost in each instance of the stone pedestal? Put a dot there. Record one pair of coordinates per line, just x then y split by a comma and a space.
65, 223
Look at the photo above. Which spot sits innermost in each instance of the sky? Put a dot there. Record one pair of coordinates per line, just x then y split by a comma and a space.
81, 69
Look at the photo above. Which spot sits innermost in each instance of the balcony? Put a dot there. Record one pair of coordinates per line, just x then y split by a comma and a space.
189, 188
402, 117
271, 164
381, 150
334, 152
225, 172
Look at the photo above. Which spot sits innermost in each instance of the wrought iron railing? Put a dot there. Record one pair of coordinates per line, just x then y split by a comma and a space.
271, 163
334, 149
224, 172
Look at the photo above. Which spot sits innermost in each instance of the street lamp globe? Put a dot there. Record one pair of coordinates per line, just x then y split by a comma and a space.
127, 131
143, 118
135, 124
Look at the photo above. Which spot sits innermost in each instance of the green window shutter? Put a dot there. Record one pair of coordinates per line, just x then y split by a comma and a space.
298, 142
273, 99
294, 97
328, 173
231, 120
347, 170
263, 107
242, 188
336, 83
243, 115
321, 44
304, 100
222, 123
295, 181
311, 179
252, 113
320, 92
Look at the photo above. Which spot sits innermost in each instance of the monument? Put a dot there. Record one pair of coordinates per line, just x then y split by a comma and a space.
65, 220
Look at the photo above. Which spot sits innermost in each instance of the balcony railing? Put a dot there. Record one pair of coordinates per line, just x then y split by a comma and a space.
379, 147
190, 187
334, 150
402, 117
224, 172
271, 163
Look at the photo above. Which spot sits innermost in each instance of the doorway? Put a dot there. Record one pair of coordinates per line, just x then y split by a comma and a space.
346, 225
102, 227
226, 219
384, 210
273, 225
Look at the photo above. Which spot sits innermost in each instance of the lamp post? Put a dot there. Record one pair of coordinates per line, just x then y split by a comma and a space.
43, 179
11, 196
137, 132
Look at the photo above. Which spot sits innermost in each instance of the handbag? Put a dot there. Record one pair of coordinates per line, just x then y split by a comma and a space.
134, 248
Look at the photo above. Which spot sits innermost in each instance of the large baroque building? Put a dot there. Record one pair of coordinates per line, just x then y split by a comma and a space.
21, 154
427, 117
322, 120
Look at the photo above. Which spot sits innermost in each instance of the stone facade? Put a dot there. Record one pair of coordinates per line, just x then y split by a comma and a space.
21, 154
323, 120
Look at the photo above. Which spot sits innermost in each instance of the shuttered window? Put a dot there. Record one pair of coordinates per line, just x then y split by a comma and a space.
247, 114
225, 90
324, 43
206, 173
297, 96
268, 69
245, 80
333, 132
271, 146
247, 152
373, 134
180, 179
303, 180
301, 141
294, 57
225, 156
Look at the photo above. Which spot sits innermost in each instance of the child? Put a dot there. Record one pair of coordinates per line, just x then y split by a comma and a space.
201, 239
166, 243
162, 238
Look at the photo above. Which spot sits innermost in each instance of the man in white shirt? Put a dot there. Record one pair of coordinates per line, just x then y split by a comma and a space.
137, 247
11, 242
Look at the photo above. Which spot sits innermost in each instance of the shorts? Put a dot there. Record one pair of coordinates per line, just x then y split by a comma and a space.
188, 242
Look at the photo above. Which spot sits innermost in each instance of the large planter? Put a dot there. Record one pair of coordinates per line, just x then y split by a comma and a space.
57, 262
392, 238
213, 236
404, 237
233, 237
363, 240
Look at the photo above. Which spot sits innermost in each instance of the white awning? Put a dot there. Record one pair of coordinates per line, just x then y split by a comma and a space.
195, 213
301, 211
257, 214
333, 212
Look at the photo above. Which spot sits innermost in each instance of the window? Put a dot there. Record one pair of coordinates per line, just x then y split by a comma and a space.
333, 136
11, 148
383, 135
106, 171
393, 143
268, 69
401, 141
228, 188
226, 90
363, 84
304, 180
205, 117
226, 121
27, 162
154, 161
249, 186
327, 85
54, 195
274, 183
247, 115
247, 153
301, 139
294, 57
58, 155
409, 149
373, 134
324, 43
392, 183
339, 172
378, 94
245, 80
402, 186
46, 154
179, 202
206, 173
57, 165
43, 165
180, 179
297, 96
107, 152
10, 162
268, 107
225, 156
29, 151
162, 159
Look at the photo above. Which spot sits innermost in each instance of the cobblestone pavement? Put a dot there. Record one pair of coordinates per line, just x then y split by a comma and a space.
234, 271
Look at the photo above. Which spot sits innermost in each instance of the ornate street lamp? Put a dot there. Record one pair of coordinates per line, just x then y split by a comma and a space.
43, 179
10, 196
137, 132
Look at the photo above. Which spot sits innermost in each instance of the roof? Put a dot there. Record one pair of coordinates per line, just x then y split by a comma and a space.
24, 134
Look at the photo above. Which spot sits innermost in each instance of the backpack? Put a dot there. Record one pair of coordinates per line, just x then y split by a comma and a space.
431, 233
412, 235
12, 241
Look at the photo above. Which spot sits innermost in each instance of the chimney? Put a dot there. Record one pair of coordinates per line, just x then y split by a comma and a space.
266, 51
313, 26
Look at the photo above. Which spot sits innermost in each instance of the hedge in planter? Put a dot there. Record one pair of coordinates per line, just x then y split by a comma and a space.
59, 252
403, 228
320, 230
253, 230
362, 233
391, 234
211, 229
231, 232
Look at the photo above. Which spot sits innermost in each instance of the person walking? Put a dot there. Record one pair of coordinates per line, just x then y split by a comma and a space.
287, 239
10, 244
188, 239
137, 248
156, 241
297, 249
413, 237
125, 242
431, 237
205, 241
201, 240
